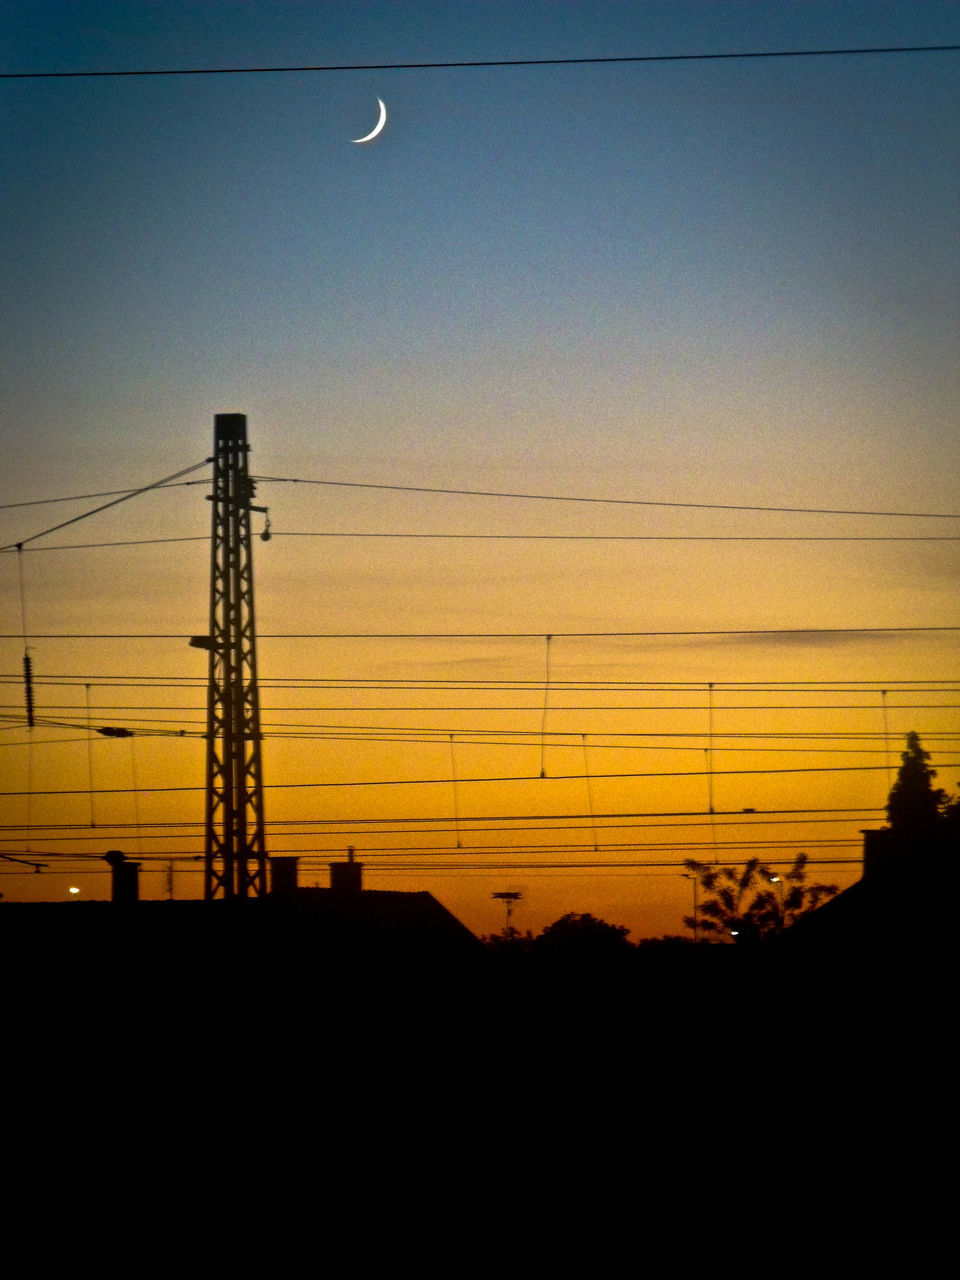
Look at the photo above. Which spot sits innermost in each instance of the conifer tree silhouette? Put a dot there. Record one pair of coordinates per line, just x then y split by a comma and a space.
915, 808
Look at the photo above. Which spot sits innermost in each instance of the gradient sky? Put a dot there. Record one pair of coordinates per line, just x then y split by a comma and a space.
729, 282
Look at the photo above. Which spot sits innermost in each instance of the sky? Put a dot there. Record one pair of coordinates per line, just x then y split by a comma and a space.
692, 287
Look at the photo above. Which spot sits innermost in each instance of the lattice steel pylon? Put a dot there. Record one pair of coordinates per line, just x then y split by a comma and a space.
235, 859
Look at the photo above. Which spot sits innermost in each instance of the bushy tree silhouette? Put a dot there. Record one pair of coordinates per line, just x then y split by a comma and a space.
753, 903
915, 808
583, 935
509, 941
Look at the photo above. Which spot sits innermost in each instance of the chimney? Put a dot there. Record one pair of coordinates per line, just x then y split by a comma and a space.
124, 877
346, 877
283, 877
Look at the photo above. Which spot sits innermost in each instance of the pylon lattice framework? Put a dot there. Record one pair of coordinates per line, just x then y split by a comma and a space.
235, 860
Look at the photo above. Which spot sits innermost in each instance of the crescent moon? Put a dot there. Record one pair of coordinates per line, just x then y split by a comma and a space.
378, 127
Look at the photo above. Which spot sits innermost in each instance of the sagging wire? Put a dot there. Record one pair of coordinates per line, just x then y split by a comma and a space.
134, 493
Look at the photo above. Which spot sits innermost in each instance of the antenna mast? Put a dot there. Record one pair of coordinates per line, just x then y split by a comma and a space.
235, 860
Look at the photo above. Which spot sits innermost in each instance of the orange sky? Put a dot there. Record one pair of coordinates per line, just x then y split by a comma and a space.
358, 747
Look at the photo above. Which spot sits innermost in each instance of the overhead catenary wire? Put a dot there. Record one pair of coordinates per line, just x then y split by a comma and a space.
86, 497
617, 502
477, 63
600, 537
458, 866
398, 857
141, 542
517, 537
509, 494
561, 740
297, 830
906, 629
645, 819
325, 684
499, 778
929, 684
611, 740
125, 497
129, 712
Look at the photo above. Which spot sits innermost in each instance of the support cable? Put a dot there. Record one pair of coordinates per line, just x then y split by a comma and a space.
133, 493
85, 497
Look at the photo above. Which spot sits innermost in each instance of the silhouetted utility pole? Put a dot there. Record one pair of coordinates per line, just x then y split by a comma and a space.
234, 847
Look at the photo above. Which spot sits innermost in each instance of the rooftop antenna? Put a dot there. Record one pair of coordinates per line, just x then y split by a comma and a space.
510, 900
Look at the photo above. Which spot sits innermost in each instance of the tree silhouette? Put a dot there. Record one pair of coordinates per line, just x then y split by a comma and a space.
509, 941
753, 903
915, 808
583, 935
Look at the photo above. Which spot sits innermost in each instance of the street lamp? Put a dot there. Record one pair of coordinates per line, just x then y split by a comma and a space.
696, 930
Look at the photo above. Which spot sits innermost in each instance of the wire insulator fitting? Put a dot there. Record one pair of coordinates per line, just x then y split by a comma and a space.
28, 687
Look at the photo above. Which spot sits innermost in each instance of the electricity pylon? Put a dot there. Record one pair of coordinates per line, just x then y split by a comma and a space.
235, 859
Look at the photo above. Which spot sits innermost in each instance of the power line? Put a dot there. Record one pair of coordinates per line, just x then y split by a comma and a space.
622, 502
458, 866
604, 537
147, 542
288, 829
84, 497
488, 635
524, 537
555, 739
479, 63
495, 493
133, 493
376, 684
639, 817
12, 711
491, 858
445, 782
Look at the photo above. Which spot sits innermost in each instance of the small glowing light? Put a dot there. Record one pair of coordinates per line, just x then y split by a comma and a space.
73, 889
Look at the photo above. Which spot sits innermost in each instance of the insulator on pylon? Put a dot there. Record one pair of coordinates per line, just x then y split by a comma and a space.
28, 687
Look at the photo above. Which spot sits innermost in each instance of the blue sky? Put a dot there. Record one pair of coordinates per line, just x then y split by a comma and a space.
531, 268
